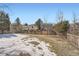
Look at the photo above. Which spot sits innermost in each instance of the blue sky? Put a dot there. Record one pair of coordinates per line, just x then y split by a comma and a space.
29, 13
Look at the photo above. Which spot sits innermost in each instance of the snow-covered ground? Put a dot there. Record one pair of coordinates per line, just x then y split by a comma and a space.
23, 45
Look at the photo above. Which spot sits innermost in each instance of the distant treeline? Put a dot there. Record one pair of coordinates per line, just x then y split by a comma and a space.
62, 26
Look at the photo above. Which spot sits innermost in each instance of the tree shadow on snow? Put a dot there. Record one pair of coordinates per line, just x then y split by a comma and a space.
7, 35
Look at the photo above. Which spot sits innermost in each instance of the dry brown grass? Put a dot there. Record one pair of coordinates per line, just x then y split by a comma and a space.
60, 46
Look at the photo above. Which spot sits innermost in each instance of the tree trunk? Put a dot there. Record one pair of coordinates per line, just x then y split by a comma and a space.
2, 31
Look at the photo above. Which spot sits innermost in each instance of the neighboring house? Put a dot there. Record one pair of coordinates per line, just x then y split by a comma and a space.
47, 28
74, 28
33, 27
29, 27
24, 28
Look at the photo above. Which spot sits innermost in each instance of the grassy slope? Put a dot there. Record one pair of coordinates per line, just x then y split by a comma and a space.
59, 46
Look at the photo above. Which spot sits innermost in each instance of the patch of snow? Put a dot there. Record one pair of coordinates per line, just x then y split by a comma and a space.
24, 45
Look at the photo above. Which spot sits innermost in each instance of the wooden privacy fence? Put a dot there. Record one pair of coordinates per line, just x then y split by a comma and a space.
73, 39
